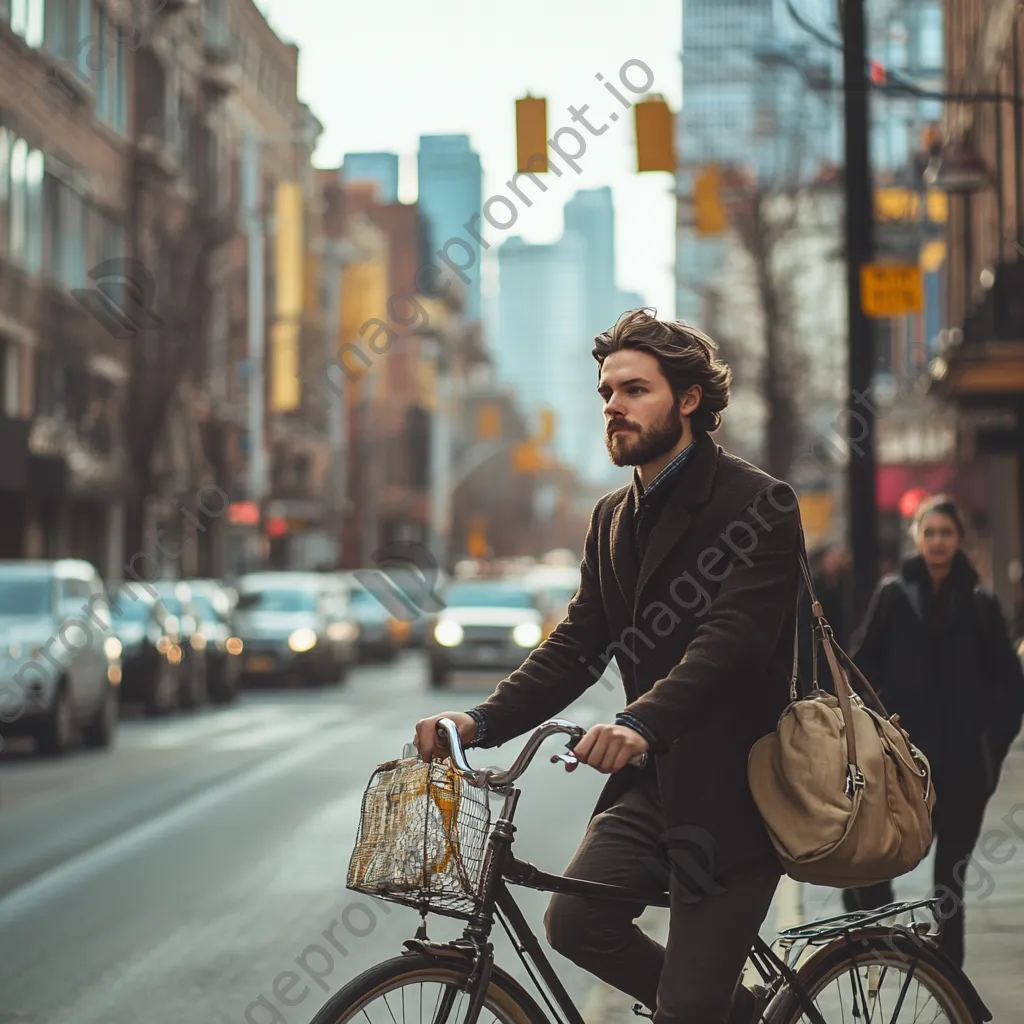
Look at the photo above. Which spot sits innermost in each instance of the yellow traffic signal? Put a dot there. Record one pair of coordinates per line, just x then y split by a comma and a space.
527, 458
476, 542
709, 209
655, 136
488, 422
547, 426
532, 135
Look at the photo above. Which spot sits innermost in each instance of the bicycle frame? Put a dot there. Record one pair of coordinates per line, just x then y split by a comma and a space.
502, 867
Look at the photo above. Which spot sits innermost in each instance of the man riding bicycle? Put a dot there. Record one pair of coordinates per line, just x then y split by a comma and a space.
689, 578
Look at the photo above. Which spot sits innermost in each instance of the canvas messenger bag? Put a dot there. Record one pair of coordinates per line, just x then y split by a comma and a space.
845, 796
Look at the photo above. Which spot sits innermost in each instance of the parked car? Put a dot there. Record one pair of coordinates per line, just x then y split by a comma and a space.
379, 635
215, 604
177, 597
486, 624
151, 655
559, 584
293, 627
61, 665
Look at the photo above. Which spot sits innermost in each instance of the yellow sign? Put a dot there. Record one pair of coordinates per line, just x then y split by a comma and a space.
531, 135
290, 280
891, 289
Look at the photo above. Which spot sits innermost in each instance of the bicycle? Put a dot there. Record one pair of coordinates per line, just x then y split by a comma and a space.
806, 978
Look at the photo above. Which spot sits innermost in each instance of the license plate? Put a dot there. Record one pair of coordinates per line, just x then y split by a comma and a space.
487, 653
259, 664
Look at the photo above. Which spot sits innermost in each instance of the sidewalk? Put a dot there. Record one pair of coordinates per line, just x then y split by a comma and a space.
994, 892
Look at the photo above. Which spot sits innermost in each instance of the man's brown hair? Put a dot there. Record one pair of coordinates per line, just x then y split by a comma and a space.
685, 354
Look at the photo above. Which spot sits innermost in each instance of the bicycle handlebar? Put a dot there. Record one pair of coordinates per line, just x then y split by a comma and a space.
449, 731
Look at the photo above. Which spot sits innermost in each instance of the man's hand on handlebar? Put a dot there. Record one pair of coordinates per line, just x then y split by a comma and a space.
608, 748
431, 745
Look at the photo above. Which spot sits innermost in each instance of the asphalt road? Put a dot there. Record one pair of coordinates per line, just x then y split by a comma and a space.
196, 872
183, 874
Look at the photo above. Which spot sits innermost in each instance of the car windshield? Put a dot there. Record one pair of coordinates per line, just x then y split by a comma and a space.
489, 595
204, 605
277, 600
125, 609
359, 598
33, 596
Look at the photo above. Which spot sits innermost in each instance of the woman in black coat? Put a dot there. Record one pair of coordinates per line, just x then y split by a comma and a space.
934, 644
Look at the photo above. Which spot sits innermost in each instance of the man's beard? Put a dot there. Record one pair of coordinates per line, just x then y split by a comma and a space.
634, 447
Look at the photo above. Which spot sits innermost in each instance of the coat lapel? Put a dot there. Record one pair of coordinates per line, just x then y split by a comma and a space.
621, 544
692, 488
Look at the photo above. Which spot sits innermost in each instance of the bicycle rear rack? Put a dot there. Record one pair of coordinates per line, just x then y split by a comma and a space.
817, 933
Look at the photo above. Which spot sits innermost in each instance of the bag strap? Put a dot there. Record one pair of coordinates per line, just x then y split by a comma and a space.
840, 681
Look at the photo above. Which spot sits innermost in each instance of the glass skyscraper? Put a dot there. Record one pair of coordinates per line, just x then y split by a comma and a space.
450, 193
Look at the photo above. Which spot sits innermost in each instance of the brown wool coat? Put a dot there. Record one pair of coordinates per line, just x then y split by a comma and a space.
702, 633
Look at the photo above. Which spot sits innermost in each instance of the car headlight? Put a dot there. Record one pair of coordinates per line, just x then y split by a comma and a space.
527, 634
448, 633
302, 640
112, 648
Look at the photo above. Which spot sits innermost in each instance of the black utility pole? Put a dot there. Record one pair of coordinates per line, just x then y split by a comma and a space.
860, 213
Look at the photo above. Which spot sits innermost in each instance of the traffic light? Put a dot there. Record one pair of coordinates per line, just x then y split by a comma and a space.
709, 210
528, 458
532, 135
547, 425
488, 422
476, 541
655, 136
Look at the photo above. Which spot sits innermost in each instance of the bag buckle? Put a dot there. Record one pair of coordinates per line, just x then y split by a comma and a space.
854, 780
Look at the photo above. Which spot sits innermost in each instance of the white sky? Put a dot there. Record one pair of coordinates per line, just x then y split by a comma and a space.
380, 74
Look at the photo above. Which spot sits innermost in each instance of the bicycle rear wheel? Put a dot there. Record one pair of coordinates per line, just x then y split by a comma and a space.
881, 979
419, 989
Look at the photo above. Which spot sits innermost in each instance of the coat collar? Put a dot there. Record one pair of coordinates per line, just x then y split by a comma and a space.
690, 488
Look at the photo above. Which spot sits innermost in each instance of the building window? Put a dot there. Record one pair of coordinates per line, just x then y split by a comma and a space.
66, 241
930, 42
12, 380
110, 74
34, 170
17, 223
28, 21
6, 141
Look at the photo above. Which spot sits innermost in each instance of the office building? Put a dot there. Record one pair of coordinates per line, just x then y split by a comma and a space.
379, 168
450, 193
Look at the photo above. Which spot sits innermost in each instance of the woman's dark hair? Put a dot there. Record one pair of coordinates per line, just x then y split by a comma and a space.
685, 354
943, 505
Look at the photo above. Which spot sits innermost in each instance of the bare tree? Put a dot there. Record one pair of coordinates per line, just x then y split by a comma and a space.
765, 219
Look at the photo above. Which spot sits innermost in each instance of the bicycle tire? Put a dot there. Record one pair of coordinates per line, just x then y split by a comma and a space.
506, 999
885, 950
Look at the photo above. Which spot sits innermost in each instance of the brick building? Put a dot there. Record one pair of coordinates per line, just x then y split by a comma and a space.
65, 167
980, 365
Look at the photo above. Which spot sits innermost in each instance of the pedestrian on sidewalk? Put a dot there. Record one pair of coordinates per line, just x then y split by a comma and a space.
689, 579
935, 646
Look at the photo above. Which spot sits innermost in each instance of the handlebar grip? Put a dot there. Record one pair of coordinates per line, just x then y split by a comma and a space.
637, 760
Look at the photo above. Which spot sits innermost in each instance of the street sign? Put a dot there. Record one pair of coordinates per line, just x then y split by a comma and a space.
891, 289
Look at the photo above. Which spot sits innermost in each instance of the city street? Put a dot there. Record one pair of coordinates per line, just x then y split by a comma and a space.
176, 877
183, 874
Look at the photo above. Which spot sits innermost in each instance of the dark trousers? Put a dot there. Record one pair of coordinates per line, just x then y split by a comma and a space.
695, 979
956, 824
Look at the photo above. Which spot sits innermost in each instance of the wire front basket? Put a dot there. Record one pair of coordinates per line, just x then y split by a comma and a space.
421, 839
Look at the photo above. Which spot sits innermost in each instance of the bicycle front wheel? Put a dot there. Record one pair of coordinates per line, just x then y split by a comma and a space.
419, 989
880, 979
